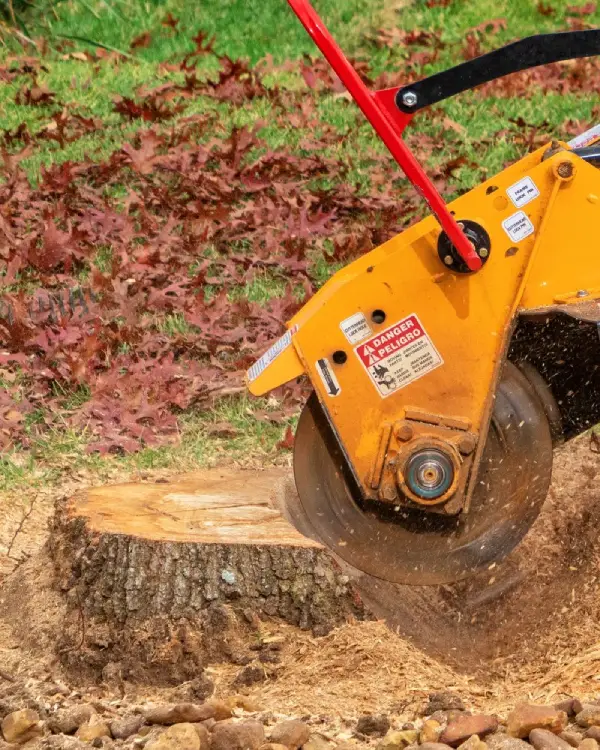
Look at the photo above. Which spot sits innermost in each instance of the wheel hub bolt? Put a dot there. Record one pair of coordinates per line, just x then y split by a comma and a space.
404, 432
429, 473
467, 444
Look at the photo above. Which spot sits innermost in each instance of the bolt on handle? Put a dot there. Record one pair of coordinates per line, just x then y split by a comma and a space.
376, 109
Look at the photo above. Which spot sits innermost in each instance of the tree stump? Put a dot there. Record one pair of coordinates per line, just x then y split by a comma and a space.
160, 579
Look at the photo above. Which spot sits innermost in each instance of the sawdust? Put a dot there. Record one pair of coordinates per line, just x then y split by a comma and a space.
360, 667
538, 639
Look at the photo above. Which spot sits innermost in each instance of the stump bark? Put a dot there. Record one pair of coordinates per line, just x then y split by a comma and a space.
160, 579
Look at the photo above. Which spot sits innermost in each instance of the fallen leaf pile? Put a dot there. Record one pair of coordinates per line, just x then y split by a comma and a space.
187, 216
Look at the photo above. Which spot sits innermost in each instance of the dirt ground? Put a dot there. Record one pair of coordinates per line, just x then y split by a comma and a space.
529, 629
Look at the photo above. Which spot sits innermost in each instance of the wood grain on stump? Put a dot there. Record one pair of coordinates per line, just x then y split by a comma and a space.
177, 574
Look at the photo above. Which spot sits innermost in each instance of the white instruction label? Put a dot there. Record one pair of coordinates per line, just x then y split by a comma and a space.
398, 356
355, 328
585, 139
271, 354
325, 370
523, 192
518, 226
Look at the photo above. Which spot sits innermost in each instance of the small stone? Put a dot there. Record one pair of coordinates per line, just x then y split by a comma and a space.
316, 741
250, 675
179, 713
21, 726
443, 717
56, 742
247, 735
97, 741
58, 688
397, 740
526, 717
445, 701
473, 743
92, 729
461, 728
593, 733
203, 736
177, 737
293, 734
430, 731
588, 744
542, 739
373, 725
434, 746
589, 716
70, 719
500, 741
568, 706
221, 709
202, 687
573, 738
123, 728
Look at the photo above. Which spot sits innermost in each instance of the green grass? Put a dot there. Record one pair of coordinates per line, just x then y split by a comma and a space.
251, 29
270, 29
205, 441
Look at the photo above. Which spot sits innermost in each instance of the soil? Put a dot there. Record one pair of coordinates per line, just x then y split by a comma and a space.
529, 629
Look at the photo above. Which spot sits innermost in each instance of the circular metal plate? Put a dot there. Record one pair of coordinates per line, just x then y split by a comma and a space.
419, 547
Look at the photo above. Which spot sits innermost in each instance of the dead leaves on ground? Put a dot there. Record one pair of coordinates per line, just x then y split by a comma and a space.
184, 218
129, 271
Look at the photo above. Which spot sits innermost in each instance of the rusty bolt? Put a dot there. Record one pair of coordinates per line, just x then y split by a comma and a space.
467, 444
404, 432
565, 169
388, 492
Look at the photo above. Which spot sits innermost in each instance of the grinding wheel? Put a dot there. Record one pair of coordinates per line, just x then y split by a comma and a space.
417, 547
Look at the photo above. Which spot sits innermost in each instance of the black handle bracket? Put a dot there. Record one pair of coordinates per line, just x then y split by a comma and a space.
530, 52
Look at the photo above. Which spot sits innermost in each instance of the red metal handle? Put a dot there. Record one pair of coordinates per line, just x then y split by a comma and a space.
386, 118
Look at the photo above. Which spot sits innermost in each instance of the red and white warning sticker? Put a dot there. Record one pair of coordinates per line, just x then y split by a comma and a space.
399, 355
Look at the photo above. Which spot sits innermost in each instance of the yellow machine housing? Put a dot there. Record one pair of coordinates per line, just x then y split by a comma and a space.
456, 328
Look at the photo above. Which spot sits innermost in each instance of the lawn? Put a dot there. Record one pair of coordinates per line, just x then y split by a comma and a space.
178, 178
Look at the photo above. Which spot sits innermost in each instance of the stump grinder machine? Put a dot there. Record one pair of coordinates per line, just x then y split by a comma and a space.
449, 362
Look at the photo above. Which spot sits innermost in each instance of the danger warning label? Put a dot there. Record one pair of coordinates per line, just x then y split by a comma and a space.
399, 355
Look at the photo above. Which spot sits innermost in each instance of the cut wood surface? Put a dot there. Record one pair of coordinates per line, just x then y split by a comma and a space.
226, 507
